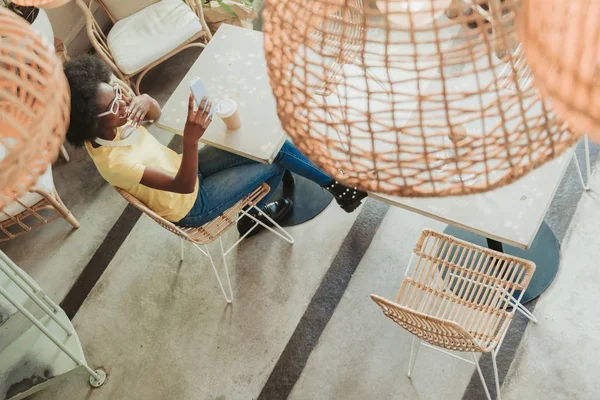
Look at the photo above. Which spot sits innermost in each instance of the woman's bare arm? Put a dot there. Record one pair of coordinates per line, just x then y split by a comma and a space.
142, 108
185, 179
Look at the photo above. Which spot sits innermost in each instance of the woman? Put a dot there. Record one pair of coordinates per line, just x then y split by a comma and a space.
189, 189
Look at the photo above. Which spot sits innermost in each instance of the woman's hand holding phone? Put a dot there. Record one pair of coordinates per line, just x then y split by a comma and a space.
197, 120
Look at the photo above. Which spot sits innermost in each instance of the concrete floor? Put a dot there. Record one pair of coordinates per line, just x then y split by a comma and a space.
558, 357
173, 316
162, 330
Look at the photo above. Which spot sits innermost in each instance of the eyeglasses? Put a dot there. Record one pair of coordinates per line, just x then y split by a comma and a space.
115, 104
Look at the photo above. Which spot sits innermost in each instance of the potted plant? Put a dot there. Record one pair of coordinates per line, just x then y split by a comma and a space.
37, 17
29, 13
233, 12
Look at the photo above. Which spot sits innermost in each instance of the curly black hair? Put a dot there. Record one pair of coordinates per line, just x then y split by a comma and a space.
85, 74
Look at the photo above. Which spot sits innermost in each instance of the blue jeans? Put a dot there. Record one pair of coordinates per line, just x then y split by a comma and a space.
226, 178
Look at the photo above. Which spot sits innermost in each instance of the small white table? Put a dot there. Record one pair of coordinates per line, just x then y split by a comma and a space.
232, 66
511, 214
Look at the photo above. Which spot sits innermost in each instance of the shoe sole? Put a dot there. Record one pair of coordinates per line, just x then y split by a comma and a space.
259, 228
353, 206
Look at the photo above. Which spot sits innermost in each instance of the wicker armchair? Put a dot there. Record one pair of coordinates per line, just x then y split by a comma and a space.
213, 230
145, 33
458, 296
39, 206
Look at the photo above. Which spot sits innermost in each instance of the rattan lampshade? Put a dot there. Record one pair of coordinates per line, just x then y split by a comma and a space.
34, 106
394, 97
561, 40
41, 3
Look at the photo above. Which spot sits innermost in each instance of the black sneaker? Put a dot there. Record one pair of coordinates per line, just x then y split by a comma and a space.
277, 210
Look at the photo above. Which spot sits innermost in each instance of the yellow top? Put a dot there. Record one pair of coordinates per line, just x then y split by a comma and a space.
124, 166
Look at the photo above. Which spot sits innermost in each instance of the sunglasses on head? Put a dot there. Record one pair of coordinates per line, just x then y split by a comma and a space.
115, 104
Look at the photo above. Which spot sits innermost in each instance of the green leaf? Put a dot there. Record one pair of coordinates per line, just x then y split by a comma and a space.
226, 8
248, 3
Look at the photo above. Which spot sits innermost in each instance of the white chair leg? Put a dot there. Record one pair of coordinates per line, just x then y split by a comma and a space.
496, 375
586, 142
282, 232
487, 392
521, 308
226, 267
181, 240
415, 345
586, 186
64, 154
212, 263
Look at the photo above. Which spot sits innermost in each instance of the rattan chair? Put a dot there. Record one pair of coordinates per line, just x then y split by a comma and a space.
145, 33
482, 20
213, 230
458, 296
39, 206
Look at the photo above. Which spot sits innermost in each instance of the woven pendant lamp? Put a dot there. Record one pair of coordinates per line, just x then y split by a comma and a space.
393, 96
561, 40
34, 106
41, 3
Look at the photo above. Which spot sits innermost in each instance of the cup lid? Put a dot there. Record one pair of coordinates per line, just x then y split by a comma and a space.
226, 108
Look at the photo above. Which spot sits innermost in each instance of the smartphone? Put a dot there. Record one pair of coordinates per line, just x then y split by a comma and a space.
199, 91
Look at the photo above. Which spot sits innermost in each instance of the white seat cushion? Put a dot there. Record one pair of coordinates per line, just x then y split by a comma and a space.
142, 38
44, 182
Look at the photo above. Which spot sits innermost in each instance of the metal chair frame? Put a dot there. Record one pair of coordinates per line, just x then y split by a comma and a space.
459, 296
201, 236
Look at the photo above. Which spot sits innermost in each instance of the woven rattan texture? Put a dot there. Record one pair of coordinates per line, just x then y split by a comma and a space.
34, 106
209, 231
41, 3
44, 211
456, 294
406, 101
560, 39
